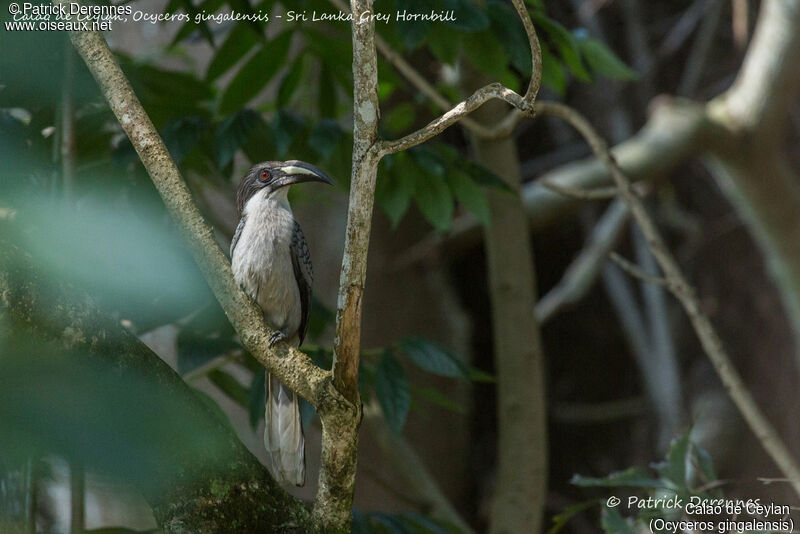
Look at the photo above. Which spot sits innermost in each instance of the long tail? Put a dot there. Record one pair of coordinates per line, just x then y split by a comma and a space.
283, 436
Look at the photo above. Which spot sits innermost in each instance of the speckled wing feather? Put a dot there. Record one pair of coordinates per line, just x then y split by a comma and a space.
304, 274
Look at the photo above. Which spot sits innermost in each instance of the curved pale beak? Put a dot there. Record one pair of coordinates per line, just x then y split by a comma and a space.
296, 172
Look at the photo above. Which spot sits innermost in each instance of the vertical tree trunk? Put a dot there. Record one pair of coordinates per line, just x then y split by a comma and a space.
521, 485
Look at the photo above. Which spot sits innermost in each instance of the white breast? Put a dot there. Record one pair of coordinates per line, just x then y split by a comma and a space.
262, 262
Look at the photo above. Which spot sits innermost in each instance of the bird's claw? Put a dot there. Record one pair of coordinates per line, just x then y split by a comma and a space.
276, 337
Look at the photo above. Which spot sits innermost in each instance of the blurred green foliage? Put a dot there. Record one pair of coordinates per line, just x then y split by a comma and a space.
687, 471
110, 418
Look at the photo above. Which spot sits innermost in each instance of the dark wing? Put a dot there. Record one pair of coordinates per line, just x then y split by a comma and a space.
237, 233
304, 274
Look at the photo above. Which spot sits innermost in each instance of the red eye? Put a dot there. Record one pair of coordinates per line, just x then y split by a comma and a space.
264, 176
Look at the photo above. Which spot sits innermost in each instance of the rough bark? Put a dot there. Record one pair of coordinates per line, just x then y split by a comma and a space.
362, 192
521, 484
241, 491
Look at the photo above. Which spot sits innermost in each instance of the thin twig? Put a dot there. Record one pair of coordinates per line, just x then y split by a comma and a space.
461, 110
680, 288
599, 193
635, 271
217, 363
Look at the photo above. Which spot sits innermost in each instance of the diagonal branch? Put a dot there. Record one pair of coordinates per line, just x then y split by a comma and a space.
291, 366
680, 288
461, 110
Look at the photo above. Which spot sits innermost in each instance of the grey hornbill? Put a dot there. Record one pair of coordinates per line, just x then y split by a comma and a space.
270, 261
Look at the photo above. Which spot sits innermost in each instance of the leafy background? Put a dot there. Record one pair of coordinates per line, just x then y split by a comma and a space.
225, 96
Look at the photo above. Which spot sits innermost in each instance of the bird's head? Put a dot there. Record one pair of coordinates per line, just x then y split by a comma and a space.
273, 177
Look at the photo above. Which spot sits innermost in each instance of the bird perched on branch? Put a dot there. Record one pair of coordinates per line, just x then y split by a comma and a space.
270, 260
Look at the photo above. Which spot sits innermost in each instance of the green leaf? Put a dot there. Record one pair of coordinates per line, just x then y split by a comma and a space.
239, 42
509, 30
320, 317
560, 520
209, 6
704, 462
392, 390
334, 52
233, 133
613, 523
395, 187
326, 96
286, 127
673, 469
433, 358
207, 336
469, 17
476, 375
428, 159
439, 398
452, 158
565, 43
231, 387
553, 76
633, 477
483, 176
470, 195
255, 74
260, 144
325, 137
603, 61
258, 397
487, 54
419, 524
290, 81
181, 135
445, 43
399, 118
434, 200
412, 31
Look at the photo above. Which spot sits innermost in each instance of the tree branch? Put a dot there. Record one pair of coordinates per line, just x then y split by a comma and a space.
461, 110
523, 104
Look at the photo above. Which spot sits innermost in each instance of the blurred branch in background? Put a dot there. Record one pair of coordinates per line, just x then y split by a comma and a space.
680, 288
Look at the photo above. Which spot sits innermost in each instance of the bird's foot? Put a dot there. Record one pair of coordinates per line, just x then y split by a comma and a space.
276, 337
